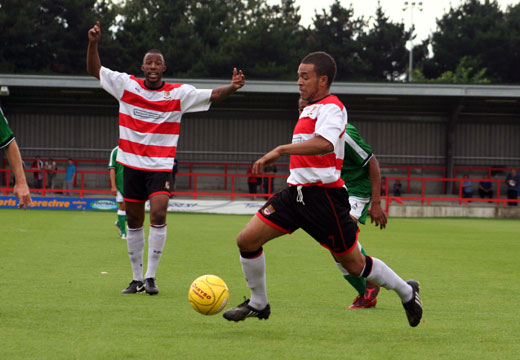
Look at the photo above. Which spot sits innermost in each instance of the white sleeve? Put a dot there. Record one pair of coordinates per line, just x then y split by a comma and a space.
194, 100
113, 82
331, 123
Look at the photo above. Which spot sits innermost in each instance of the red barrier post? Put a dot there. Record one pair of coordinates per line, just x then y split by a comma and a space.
422, 192
191, 171
232, 188
195, 179
225, 177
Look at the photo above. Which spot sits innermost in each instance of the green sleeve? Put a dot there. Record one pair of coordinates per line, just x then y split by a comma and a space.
6, 134
356, 149
112, 159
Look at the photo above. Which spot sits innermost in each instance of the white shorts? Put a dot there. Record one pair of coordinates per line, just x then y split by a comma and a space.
359, 208
119, 197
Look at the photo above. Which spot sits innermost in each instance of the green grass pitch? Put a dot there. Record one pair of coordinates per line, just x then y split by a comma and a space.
62, 273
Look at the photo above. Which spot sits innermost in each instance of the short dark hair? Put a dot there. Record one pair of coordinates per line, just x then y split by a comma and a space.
324, 64
154, 51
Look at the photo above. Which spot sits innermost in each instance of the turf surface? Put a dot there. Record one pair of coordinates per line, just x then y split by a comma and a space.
62, 273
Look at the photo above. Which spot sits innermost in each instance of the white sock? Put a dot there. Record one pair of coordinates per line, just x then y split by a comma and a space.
382, 275
254, 271
121, 212
135, 243
156, 241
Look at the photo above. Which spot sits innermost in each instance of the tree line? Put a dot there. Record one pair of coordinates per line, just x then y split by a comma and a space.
476, 42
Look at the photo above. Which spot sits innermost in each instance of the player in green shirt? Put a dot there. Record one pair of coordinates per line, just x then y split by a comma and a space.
363, 179
116, 185
8, 142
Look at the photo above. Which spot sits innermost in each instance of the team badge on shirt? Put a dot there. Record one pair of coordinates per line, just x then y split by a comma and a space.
309, 110
167, 95
268, 210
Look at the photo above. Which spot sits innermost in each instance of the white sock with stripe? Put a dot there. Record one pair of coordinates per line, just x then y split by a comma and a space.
254, 271
135, 243
156, 241
382, 275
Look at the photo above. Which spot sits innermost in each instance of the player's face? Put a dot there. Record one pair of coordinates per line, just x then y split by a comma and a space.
153, 68
312, 87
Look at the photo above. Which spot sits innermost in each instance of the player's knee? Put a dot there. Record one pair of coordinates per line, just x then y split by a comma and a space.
354, 265
245, 243
241, 241
158, 217
134, 222
354, 269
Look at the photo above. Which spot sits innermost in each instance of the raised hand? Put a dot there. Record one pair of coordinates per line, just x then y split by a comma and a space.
95, 32
238, 80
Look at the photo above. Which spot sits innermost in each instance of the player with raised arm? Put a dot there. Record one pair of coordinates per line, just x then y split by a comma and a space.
316, 199
8, 142
150, 112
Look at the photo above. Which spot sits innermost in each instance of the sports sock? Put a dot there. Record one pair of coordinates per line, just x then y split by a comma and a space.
382, 275
121, 221
156, 241
254, 271
135, 243
359, 283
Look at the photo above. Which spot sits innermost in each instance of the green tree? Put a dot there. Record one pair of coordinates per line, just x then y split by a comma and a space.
217, 24
475, 29
384, 52
272, 41
42, 36
338, 33
155, 24
467, 71
509, 72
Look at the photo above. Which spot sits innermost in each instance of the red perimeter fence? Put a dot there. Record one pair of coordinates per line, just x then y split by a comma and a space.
233, 182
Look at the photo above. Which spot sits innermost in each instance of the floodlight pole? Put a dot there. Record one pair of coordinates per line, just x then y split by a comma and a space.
410, 5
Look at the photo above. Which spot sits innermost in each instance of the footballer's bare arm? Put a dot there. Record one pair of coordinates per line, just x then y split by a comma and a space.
237, 81
93, 61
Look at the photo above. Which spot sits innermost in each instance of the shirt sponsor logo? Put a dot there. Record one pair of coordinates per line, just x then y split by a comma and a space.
144, 114
297, 139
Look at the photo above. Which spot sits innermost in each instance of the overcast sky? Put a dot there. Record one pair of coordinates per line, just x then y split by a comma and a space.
424, 20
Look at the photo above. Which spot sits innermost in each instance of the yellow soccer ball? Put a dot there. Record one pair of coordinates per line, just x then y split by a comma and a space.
208, 294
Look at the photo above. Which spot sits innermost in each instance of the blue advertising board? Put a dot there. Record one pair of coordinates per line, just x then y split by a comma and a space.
61, 203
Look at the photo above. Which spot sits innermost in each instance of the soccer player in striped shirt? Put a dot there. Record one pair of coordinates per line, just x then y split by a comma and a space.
362, 177
150, 112
8, 142
316, 199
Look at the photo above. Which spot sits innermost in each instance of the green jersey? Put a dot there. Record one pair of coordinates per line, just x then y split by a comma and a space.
6, 134
113, 164
355, 170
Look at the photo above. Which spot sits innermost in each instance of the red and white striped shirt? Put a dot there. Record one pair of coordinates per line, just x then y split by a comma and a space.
326, 118
150, 120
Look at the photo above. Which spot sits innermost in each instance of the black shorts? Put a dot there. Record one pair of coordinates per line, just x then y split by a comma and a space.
323, 213
140, 185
